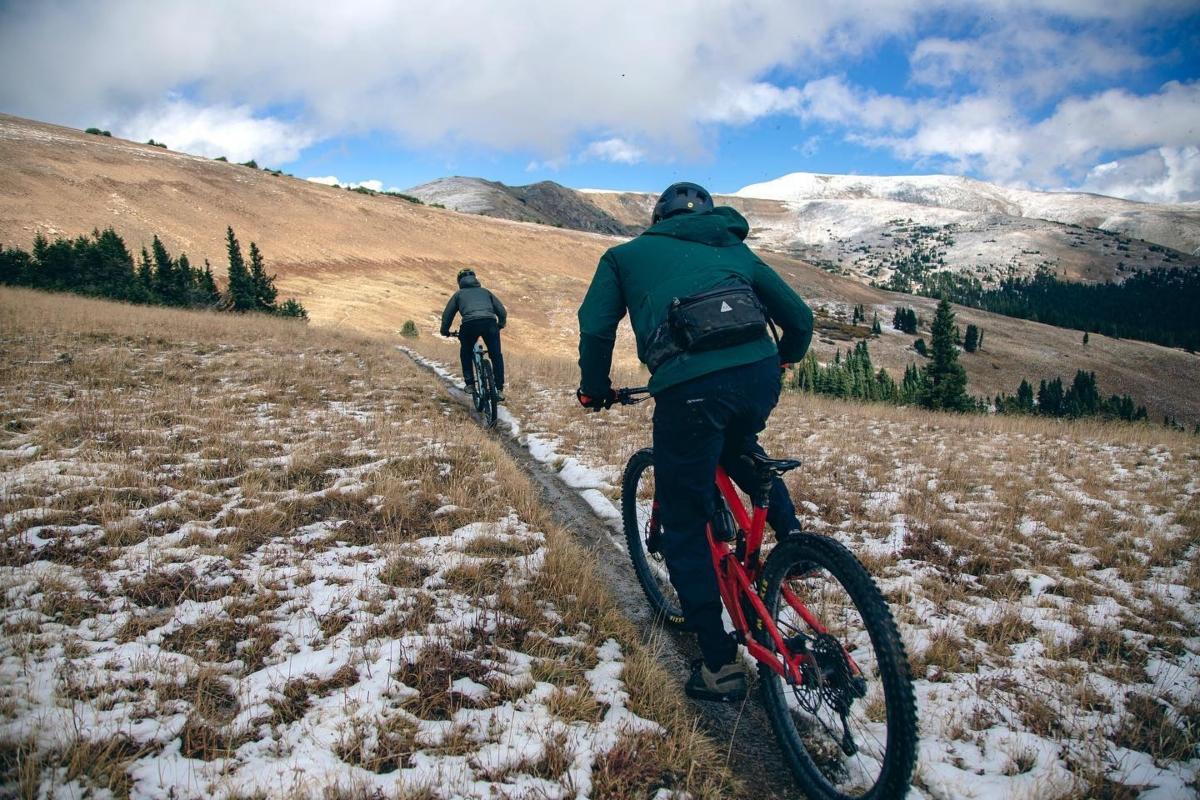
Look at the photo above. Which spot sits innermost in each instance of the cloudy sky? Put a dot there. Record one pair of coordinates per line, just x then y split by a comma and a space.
1101, 96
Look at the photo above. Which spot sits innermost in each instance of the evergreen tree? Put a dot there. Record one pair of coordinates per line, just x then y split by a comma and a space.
1050, 398
292, 308
1025, 397
1085, 337
166, 277
971, 341
206, 286
945, 380
15, 267
241, 285
875, 329
921, 348
1082, 398
264, 284
115, 276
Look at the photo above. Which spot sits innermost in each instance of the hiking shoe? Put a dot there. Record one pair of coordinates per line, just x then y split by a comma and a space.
500, 395
725, 685
469, 388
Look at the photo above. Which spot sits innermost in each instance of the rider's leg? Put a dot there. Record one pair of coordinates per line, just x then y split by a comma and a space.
466, 343
763, 387
689, 422
491, 338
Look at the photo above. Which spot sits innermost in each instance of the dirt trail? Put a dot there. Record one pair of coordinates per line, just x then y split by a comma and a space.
742, 730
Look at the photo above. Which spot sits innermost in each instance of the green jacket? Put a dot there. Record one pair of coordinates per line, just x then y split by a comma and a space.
680, 256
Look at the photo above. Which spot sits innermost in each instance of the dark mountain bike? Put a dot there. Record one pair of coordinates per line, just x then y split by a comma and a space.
832, 669
484, 395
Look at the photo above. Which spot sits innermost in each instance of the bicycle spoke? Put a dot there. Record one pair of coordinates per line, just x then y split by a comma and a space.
840, 715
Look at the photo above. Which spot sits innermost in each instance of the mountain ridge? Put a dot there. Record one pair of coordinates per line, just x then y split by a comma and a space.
374, 262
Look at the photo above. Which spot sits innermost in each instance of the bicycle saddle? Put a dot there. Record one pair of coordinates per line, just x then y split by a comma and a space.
775, 466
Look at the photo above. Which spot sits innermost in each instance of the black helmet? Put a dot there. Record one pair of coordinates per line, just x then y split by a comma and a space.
464, 271
681, 198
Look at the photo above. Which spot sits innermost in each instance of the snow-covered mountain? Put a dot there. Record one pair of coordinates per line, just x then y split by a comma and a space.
896, 232
1176, 226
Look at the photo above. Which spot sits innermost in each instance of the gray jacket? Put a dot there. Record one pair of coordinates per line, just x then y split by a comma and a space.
473, 302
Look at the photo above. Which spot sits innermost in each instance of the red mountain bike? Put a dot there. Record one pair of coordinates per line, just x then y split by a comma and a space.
832, 668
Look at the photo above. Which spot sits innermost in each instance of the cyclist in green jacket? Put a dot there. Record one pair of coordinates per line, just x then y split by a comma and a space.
710, 404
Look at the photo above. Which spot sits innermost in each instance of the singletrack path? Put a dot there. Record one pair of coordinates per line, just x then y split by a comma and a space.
743, 729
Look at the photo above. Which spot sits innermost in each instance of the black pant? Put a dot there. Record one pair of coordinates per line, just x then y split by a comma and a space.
698, 424
468, 332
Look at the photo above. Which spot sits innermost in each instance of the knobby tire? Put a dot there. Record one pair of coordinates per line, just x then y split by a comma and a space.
821, 556
662, 599
488, 394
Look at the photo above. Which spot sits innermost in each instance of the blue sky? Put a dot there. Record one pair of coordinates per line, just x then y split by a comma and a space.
1053, 94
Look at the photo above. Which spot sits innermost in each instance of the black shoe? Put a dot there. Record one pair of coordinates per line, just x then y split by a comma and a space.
725, 685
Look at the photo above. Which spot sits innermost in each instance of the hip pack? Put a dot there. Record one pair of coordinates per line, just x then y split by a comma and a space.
710, 320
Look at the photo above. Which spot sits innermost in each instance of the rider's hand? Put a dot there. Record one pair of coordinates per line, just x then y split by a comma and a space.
596, 403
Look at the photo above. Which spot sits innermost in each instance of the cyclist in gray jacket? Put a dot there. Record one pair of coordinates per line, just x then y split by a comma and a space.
482, 315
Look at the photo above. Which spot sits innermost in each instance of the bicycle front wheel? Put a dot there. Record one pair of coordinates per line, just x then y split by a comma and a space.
850, 729
487, 394
643, 532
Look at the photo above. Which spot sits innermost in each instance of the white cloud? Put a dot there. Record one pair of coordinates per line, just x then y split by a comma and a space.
231, 131
747, 102
616, 150
332, 180
1024, 57
1162, 175
987, 134
263, 80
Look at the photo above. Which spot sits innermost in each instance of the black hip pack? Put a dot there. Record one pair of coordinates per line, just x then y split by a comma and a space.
710, 320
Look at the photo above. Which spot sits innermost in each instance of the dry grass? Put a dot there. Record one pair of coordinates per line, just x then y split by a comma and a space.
1039, 569
222, 495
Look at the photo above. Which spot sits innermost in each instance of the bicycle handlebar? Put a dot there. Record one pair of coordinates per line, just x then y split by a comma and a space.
633, 395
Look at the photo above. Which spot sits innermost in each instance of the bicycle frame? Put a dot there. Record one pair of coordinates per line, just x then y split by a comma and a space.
738, 570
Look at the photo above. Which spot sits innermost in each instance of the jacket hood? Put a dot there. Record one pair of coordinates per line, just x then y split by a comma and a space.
721, 227
468, 282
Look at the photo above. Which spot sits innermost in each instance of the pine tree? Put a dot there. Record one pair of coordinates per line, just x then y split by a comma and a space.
1050, 398
921, 348
1025, 397
945, 384
241, 286
875, 329
292, 308
145, 279
207, 286
115, 276
1085, 337
166, 280
264, 284
971, 341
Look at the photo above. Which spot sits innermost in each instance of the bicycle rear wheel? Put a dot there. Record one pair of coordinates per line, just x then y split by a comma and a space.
487, 393
642, 533
850, 731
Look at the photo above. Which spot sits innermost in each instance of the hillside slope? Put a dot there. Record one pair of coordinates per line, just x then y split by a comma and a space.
546, 202
370, 263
